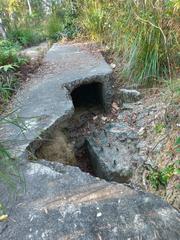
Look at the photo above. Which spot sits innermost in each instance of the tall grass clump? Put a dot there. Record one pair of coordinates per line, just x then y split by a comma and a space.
26, 36
11, 178
26, 30
10, 61
61, 23
92, 18
55, 26
22, 25
153, 45
144, 33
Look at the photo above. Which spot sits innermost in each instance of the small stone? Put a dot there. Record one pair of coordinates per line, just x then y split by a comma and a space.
113, 65
127, 106
129, 96
141, 131
99, 214
45, 210
115, 106
104, 118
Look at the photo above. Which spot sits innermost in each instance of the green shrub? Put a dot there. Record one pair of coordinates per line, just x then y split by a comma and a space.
55, 27
10, 173
71, 30
62, 21
8, 84
10, 60
26, 36
8, 53
151, 54
160, 177
92, 19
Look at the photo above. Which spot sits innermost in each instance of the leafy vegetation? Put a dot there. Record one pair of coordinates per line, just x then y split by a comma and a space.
62, 22
31, 22
10, 61
9, 53
159, 127
10, 174
26, 36
145, 33
160, 177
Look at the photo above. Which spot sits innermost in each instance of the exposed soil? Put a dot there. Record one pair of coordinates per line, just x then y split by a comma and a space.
66, 144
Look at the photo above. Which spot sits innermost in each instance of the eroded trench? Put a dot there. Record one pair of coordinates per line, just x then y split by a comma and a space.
65, 143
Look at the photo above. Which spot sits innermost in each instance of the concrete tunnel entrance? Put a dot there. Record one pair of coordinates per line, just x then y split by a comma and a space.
88, 95
65, 142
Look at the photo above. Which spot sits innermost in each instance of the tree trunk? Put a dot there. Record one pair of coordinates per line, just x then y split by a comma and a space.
29, 6
2, 31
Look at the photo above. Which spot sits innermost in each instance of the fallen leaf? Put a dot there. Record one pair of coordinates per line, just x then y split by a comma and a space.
141, 131
104, 118
113, 65
115, 106
45, 210
3, 217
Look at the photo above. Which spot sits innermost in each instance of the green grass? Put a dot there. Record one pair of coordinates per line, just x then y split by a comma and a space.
145, 34
159, 127
9, 52
62, 22
10, 174
10, 61
26, 36
160, 177
55, 27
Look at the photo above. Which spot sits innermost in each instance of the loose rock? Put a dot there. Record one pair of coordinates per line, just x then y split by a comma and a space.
128, 96
114, 152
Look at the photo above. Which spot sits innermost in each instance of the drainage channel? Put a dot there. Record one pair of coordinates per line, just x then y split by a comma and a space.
65, 143
93, 141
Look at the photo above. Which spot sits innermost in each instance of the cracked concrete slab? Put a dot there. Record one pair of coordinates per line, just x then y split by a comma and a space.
62, 202
45, 99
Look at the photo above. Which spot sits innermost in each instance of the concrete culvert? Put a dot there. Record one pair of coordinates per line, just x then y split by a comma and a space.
88, 95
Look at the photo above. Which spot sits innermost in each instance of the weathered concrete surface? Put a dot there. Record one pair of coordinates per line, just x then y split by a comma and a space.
35, 53
61, 202
45, 100
114, 152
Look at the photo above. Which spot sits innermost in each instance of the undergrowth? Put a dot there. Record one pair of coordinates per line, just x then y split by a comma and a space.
145, 33
160, 177
11, 178
10, 62
62, 22
26, 36
168, 159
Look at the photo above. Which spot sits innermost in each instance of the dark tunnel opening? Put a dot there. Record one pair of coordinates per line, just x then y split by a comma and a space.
88, 95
